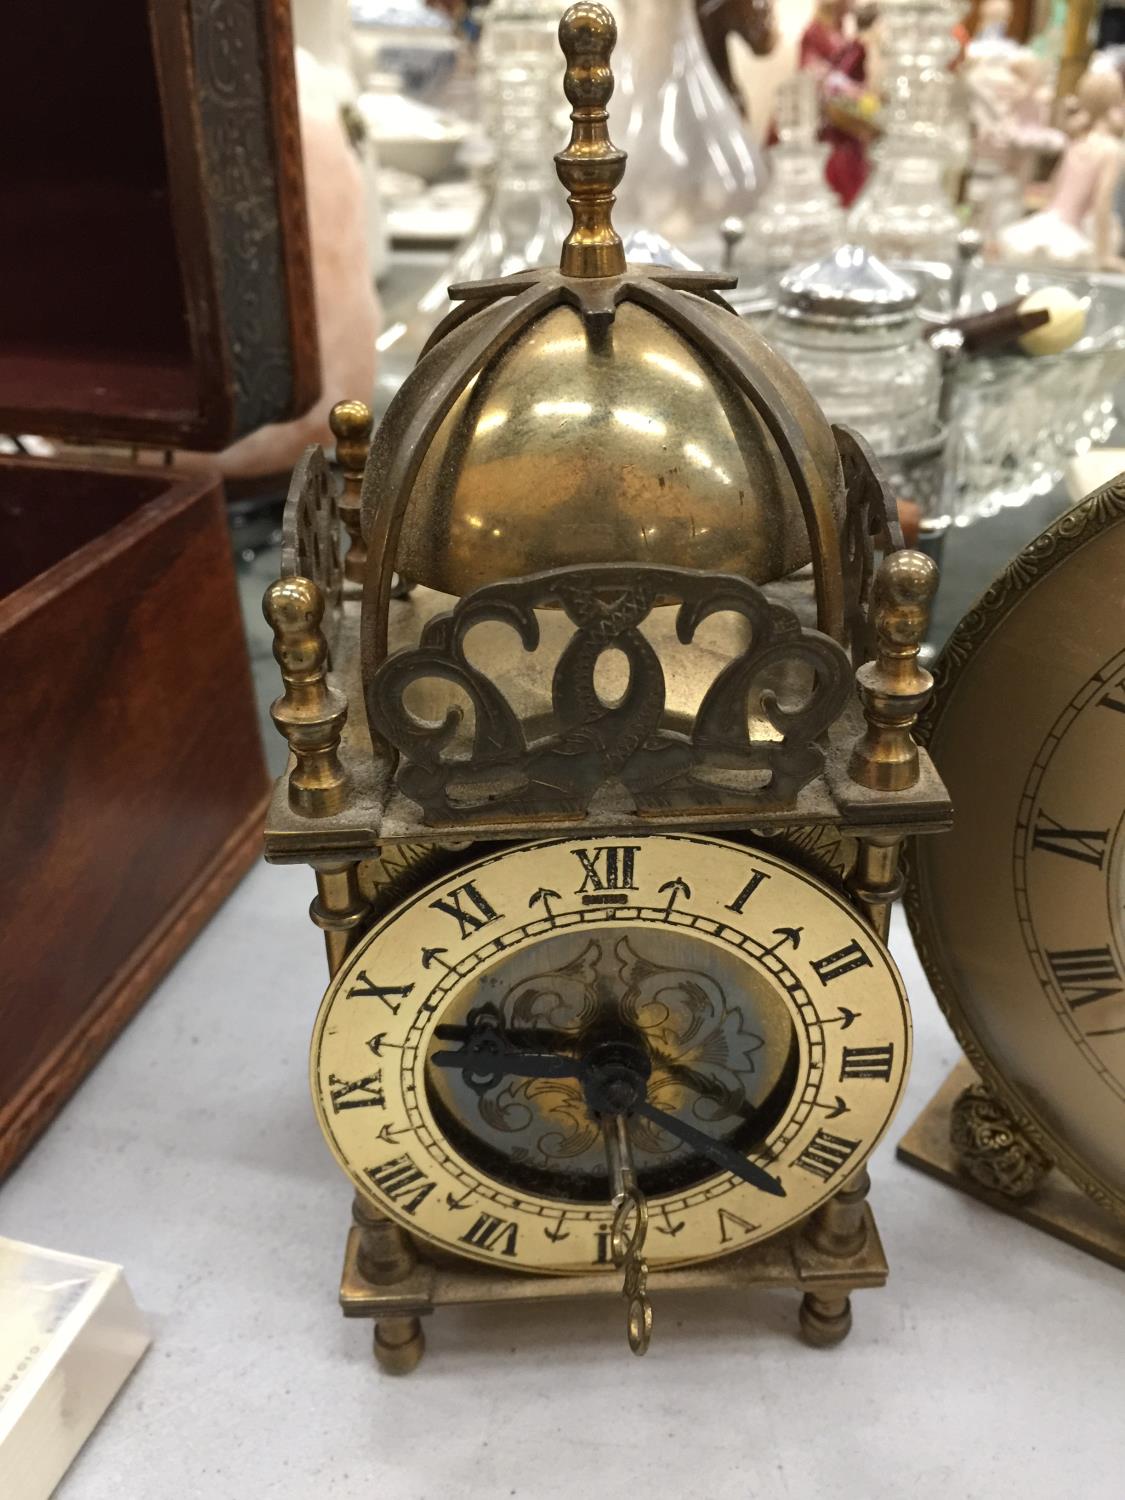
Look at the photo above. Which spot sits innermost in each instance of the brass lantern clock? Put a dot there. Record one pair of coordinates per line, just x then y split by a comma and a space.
606, 812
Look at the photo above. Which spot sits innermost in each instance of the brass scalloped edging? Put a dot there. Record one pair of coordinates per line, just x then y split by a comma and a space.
1072, 530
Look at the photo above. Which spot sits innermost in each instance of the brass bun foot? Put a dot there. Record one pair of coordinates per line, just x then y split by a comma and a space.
399, 1344
963, 1139
825, 1320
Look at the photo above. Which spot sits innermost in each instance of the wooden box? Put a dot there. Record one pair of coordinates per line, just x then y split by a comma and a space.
134, 785
155, 279
155, 288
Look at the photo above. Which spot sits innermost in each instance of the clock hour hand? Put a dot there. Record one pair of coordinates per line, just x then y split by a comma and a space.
486, 1055
721, 1154
479, 1063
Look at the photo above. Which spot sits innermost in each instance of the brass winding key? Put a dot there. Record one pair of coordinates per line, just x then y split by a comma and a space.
627, 1237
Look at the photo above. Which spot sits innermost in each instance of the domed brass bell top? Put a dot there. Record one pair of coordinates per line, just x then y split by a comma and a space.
632, 447
625, 415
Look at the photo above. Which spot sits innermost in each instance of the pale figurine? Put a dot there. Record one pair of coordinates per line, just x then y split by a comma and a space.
1079, 226
1009, 99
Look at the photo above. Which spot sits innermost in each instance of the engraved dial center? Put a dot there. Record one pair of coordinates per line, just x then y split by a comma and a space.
659, 1013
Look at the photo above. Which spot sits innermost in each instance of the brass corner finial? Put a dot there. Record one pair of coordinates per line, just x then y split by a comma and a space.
309, 713
893, 687
591, 166
351, 423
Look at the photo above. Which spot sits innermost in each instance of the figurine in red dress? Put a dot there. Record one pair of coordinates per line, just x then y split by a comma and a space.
839, 62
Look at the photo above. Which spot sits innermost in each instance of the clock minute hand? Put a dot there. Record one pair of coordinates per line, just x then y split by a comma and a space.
721, 1154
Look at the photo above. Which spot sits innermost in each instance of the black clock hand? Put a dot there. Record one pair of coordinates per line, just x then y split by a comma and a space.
482, 1066
722, 1155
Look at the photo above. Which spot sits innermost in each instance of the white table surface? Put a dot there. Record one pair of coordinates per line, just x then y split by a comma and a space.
992, 1365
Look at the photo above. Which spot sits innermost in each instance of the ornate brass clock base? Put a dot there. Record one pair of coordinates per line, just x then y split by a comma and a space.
1053, 1204
388, 1278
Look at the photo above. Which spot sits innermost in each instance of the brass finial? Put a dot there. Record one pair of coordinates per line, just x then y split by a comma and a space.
893, 687
351, 423
591, 166
310, 714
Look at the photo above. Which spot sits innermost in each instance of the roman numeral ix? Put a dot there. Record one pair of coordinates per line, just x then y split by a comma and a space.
468, 921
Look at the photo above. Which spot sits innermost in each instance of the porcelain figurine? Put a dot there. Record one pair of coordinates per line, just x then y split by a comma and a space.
1079, 226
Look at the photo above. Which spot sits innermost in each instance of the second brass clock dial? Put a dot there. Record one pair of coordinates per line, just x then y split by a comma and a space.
762, 1022
1019, 914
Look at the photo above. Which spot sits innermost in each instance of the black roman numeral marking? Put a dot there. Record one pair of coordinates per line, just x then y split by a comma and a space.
1114, 698
1084, 975
825, 1154
468, 921
867, 1062
843, 961
1085, 844
604, 1255
355, 1095
727, 1220
402, 1182
747, 891
365, 989
606, 870
498, 1236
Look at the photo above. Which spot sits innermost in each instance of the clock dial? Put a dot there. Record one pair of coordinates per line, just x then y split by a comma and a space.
770, 1021
1019, 912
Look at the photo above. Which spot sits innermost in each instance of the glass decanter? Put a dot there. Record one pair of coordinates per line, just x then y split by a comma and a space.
798, 217
691, 163
907, 211
526, 217
849, 326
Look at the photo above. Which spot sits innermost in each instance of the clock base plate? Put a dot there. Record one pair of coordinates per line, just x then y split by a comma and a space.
790, 1260
1057, 1207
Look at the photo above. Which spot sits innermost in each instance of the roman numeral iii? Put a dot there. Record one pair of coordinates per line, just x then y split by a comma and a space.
469, 921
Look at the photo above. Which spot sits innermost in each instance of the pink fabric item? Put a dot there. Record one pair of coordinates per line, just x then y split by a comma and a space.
347, 308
